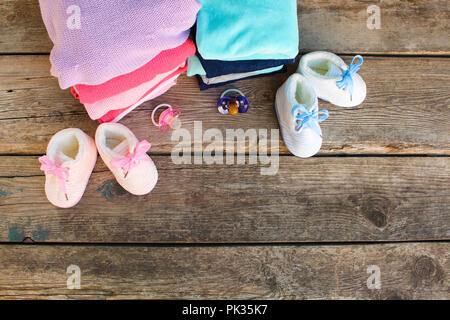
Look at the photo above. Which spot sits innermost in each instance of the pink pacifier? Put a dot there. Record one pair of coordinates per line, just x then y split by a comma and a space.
168, 118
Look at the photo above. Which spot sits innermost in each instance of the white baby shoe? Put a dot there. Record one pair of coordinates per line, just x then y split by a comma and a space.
298, 113
68, 164
126, 157
332, 79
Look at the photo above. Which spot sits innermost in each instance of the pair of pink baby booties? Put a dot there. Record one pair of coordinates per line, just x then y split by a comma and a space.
72, 154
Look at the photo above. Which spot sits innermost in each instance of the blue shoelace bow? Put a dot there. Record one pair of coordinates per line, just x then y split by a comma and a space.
347, 76
306, 119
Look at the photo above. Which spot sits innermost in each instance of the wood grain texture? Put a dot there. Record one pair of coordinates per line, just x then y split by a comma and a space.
323, 199
407, 110
318, 199
408, 271
21, 27
419, 26
407, 26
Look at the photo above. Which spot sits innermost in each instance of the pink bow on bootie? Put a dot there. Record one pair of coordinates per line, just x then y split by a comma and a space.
59, 172
133, 158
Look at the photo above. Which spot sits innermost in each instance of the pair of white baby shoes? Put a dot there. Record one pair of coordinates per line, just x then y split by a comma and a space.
320, 75
72, 154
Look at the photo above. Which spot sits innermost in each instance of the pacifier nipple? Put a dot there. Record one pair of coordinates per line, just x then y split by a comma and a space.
234, 109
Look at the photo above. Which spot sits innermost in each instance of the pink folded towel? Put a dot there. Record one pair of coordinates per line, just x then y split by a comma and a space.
111, 115
162, 88
162, 63
95, 41
124, 99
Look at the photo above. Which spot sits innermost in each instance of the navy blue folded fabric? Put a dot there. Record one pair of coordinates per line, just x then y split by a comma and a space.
204, 86
215, 68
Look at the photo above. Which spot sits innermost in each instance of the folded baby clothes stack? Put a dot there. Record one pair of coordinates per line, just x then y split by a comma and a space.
242, 40
116, 54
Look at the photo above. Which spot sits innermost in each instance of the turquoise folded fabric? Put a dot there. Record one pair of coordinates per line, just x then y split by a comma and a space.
232, 30
195, 67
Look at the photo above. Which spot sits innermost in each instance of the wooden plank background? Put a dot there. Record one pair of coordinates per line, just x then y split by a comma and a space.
319, 199
408, 271
377, 194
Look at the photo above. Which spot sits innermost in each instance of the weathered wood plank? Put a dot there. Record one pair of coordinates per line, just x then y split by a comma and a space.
407, 271
319, 199
406, 112
22, 28
339, 26
418, 27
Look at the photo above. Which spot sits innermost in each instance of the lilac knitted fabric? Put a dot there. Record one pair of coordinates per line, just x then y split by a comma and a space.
95, 41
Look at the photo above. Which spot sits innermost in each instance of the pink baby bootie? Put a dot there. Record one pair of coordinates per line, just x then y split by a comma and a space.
68, 164
127, 158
